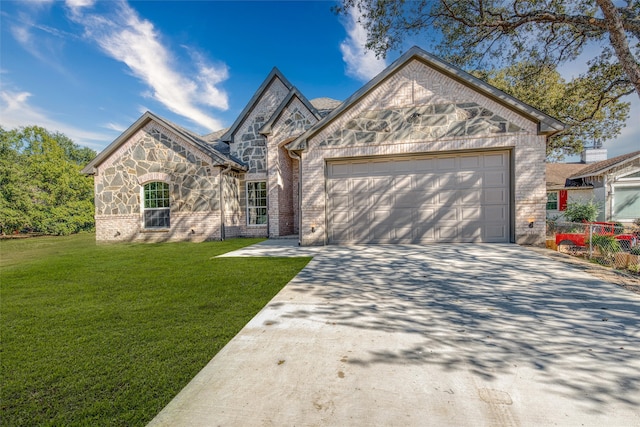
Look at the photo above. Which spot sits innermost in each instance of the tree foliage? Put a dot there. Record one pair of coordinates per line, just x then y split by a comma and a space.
490, 35
589, 116
41, 187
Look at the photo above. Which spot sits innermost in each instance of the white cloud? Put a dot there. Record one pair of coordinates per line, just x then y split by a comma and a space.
15, 111
361, 64
115, 126
74, 4
134, 41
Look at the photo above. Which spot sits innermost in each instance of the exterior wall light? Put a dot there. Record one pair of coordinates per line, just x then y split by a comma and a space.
313, 228
531, 221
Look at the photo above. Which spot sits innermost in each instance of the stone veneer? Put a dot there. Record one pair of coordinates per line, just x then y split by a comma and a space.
295, 119
156, 154
420, 110
419, 123
248, 144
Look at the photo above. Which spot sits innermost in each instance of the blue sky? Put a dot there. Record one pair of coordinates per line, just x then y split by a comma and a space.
90, 68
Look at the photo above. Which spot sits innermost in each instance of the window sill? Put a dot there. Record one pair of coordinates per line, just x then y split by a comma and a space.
155, 230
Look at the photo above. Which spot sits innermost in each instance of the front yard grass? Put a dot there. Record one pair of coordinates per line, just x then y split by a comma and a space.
108, 335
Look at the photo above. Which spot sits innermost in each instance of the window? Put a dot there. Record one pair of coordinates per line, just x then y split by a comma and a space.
552, 201
156, 205
256, 203
626, 202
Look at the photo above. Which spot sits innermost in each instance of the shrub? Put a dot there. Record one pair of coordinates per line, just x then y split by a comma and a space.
580, 211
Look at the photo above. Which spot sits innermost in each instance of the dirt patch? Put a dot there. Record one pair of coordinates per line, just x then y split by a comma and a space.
623, 279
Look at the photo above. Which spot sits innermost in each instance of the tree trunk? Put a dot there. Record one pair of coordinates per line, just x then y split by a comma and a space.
619, 42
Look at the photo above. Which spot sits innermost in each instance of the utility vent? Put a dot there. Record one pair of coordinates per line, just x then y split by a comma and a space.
593, 155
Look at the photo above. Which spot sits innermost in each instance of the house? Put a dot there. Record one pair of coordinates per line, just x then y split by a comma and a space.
424, 152
614, 184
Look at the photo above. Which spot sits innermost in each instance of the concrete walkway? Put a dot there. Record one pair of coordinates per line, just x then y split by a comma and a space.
441, 335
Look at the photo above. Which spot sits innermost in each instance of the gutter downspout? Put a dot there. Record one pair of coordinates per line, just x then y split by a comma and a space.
222, 211
298, 157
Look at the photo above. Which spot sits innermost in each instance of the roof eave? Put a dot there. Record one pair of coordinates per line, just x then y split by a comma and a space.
90, 168
547, 125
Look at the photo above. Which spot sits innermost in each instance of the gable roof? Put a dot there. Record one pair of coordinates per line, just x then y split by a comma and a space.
190, 137
558, 173
547, 125
604, 166
293, 93
275, 73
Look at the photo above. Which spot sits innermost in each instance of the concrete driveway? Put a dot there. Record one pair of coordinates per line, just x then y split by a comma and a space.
441, 335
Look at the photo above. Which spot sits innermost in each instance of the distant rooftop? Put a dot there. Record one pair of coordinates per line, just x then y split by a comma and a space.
325, 105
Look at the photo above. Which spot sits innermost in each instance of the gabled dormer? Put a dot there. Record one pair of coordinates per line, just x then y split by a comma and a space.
244, 137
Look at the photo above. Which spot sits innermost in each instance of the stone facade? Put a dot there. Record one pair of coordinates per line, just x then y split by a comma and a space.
155, 153
418, 107
248, 144
420, 110
295, 119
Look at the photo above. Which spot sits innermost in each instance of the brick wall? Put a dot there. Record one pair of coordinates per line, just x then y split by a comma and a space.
416, 85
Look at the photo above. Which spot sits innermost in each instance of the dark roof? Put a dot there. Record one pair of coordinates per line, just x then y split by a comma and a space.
191, 138
600, 168
547, 125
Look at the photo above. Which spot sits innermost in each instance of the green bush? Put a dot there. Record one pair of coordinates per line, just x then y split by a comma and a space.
580, 211
606, 244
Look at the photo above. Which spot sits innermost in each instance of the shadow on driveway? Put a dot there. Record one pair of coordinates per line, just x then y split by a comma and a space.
440, 335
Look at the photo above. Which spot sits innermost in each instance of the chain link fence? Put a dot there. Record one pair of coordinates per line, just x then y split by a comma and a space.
611, 244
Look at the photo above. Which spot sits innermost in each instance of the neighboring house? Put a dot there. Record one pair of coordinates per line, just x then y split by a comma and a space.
612, 183
424, 152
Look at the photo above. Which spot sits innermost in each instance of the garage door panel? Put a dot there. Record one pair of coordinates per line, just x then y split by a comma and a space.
381, 185
494, 195
495, 213
448, 181
470, 162
359, 185
360, 168
471, 213
382, 200
425, 182
446, 233
470, 196
495, 233
340, 217
435, 198
469, 179
340, 169
471, 232
338, 186
403, 182
422, 234
494, 179
497, 160
423, 165
340, 201
424, 215
446, 163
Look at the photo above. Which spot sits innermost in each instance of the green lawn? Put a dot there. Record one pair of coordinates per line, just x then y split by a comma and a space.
109, 334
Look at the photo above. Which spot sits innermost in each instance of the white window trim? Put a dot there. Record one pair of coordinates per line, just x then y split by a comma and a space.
557, 193
266, 198
143, 209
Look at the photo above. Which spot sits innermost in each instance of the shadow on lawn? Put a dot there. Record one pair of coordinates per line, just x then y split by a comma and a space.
574, 331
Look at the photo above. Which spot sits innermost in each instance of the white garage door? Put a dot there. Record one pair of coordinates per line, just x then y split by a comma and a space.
436, 198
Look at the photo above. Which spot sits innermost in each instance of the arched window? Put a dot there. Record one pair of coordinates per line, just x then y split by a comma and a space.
156, 205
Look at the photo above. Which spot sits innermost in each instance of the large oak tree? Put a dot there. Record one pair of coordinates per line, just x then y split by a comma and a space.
41, 187
489, 35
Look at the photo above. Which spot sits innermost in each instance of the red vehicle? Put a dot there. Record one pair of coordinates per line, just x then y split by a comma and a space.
627, 241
